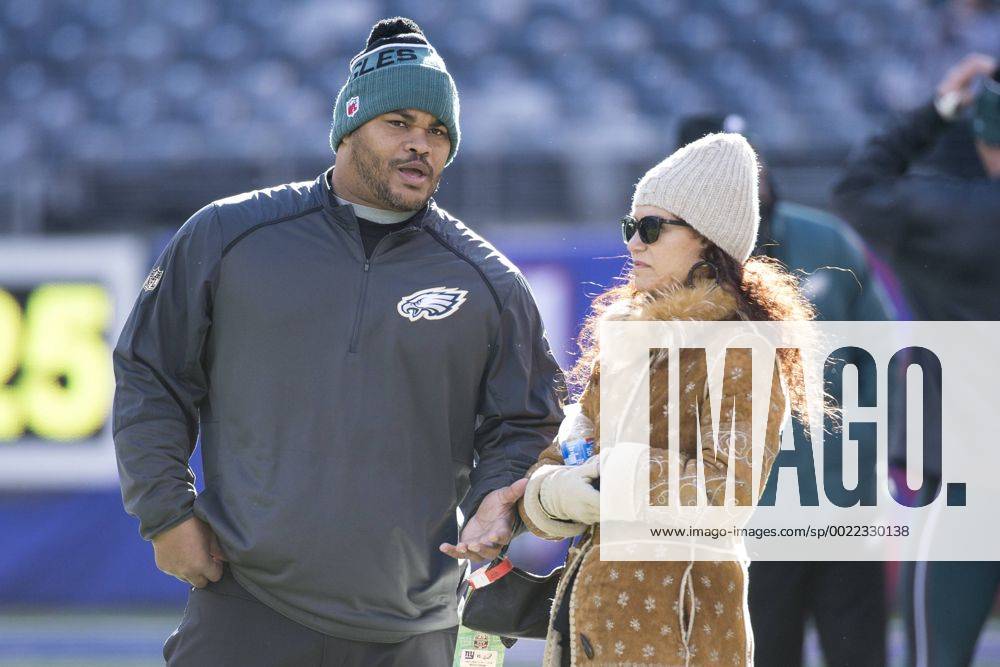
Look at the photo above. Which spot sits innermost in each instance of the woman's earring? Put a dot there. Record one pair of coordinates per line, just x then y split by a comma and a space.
697, 265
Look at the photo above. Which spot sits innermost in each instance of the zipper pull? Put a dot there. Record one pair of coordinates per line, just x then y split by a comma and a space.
367, 265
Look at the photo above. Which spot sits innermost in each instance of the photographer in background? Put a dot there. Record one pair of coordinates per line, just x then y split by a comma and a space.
926, 190
935, 219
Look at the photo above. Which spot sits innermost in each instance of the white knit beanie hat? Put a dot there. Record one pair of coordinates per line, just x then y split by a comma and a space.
712, 185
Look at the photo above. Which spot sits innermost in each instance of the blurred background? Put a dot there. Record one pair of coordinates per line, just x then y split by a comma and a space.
120, 118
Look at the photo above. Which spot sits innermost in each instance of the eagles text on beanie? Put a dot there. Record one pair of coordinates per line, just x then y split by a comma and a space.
398, 69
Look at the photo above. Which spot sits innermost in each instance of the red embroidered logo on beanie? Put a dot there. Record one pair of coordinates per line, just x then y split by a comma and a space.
352, 106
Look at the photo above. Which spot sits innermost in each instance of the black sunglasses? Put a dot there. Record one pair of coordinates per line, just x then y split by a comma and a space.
648, 227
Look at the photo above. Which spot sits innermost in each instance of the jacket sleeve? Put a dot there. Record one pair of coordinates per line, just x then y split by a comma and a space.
533, 515
871, 303
890, 205
732, 449
161, 378
519, 402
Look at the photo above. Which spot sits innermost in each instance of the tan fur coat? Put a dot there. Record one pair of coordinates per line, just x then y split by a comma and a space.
662, 613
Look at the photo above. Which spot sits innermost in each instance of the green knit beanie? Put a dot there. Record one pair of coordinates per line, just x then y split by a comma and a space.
398, 69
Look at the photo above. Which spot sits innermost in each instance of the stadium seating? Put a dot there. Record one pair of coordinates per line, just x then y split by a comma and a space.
112, 81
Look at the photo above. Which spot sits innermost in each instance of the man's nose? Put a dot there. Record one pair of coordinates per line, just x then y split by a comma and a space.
416, 142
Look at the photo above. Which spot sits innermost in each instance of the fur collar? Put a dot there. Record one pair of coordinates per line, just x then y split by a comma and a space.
704, 301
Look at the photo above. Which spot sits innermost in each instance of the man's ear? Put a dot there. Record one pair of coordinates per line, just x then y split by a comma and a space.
344, 147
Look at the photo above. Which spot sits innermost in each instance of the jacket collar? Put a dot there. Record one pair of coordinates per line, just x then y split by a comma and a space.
703, 301
343, 214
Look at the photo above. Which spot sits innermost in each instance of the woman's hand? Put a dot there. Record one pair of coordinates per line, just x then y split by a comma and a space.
567, 493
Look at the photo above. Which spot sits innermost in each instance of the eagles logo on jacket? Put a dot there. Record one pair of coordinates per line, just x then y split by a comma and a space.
660, 613
435, 303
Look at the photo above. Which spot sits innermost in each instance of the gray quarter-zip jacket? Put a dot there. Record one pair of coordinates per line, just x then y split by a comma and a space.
345, 406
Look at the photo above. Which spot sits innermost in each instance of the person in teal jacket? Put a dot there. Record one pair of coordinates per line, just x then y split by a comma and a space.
846, 600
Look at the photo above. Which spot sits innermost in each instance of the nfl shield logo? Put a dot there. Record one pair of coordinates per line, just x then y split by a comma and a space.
153, 279
352, 106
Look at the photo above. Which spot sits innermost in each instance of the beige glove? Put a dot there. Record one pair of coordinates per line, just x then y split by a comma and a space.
549, 519
568, 495
545, 524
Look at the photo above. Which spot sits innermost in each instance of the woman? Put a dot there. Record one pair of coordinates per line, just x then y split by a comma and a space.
692, 227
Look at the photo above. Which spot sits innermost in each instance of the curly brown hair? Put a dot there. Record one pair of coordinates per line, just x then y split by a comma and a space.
764, 291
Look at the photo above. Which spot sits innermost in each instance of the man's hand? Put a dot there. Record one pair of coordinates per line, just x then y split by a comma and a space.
490, 527
955, 90
189, 551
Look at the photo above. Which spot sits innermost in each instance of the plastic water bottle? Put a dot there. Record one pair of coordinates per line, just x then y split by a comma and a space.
576, 436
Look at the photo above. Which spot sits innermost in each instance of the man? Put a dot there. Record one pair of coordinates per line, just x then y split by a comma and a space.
845, 600
347, 349
927, 190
